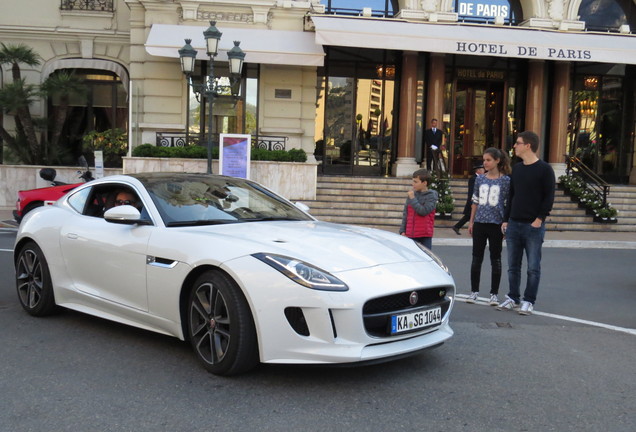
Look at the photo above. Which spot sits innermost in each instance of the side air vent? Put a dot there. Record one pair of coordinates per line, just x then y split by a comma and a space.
296, 320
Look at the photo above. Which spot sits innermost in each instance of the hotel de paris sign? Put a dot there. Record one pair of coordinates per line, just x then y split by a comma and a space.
523, 51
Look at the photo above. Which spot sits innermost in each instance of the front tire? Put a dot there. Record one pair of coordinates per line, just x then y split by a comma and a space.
33, 281
220, 325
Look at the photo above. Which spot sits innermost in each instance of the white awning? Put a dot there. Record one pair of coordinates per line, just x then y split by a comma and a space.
260, 46
516, 42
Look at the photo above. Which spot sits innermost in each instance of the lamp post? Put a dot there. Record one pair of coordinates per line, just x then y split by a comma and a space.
210, 87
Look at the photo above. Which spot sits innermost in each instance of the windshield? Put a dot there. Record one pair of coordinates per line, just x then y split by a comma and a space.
196, 199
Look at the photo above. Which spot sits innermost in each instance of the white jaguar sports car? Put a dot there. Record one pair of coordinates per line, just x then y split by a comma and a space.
241, 273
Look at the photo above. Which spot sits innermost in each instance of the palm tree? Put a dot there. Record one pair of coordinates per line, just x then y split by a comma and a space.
17, 96
16, 54
60, 85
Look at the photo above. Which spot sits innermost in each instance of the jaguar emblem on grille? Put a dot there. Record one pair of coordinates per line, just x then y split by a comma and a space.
413, 298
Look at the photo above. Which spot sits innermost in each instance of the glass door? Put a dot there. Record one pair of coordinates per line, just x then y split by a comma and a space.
355, 104
477, 122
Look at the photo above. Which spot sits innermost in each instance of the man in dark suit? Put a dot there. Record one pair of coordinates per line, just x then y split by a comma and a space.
432, 143
477, 170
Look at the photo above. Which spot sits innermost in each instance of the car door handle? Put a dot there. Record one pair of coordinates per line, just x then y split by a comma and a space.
72, 236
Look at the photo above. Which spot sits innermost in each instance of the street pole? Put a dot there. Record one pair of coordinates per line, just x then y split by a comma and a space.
210, 97
209, 87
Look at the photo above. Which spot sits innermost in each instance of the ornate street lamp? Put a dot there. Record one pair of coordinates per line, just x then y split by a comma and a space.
210, 87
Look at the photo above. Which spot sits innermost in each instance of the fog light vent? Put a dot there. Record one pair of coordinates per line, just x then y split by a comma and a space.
296, 319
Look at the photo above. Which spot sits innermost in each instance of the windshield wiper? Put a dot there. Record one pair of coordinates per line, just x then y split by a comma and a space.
201, 222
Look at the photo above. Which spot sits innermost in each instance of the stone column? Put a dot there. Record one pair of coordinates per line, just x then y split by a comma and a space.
559, 117
435, 98
435, 90
534, 99
405, 163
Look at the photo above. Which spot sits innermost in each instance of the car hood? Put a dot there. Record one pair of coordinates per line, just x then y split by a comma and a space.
332, 247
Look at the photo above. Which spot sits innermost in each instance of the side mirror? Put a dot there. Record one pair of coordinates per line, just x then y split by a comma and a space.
125, 214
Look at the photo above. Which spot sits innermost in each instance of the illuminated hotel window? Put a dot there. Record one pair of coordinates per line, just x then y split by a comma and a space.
604, 15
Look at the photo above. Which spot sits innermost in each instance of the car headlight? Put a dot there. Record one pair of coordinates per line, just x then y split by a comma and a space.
434, 257
303, 273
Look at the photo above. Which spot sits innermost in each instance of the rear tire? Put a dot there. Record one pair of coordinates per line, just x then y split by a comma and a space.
220, 325
33, 281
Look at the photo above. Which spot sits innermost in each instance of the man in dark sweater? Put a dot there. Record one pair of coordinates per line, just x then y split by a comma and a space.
531, 197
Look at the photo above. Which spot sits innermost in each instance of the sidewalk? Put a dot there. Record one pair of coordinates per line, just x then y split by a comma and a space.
557, 239
447, 237
6, 218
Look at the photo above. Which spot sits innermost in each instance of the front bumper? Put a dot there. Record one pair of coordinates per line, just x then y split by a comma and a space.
333, 330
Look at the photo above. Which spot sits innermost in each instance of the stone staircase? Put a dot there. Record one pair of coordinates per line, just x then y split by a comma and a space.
378, 202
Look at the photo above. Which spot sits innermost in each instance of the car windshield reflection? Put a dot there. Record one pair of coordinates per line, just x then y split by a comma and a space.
199, 199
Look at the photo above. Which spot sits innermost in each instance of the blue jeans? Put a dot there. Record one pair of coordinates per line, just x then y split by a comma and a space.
520, 237
426, 241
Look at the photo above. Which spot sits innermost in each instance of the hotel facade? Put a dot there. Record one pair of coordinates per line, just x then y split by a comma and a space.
354, 87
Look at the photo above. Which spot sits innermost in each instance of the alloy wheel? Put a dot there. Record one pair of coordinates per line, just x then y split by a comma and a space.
30, 280
210, 323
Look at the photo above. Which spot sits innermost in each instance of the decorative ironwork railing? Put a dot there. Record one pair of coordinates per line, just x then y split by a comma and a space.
88, 5
173, 140
180, 139
269, 142
574, 165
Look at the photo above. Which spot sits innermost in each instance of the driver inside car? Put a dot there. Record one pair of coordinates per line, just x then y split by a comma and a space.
124, 197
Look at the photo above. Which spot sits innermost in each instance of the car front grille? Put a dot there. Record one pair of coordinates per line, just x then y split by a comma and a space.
377, 312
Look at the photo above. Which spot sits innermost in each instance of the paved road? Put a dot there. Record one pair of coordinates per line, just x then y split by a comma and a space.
501, 371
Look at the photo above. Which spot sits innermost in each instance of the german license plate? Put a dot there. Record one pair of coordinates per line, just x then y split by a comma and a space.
415, 320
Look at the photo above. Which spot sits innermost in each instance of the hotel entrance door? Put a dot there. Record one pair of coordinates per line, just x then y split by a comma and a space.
478, 122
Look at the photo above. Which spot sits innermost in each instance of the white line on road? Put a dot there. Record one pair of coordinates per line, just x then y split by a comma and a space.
484, 302
6, 250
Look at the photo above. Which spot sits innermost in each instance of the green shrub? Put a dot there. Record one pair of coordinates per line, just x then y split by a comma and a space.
112, 142
607, 212
200, 152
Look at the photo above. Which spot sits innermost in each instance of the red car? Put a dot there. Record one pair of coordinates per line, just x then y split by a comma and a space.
32, 198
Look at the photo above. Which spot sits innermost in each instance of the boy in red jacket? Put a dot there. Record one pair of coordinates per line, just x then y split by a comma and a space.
418, 218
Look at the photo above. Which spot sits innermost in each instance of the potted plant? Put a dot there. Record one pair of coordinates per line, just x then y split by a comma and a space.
445, 201
593, 206
445, 209
575, 192
606, 214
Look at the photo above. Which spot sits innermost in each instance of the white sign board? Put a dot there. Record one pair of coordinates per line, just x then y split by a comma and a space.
234, 155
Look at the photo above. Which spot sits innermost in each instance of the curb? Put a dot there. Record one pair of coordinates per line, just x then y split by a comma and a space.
568, 244
467, 242
9, 224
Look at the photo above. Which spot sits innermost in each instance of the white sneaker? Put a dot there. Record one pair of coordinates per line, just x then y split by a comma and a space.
508, 304
472, 298
494, 301
526, 308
